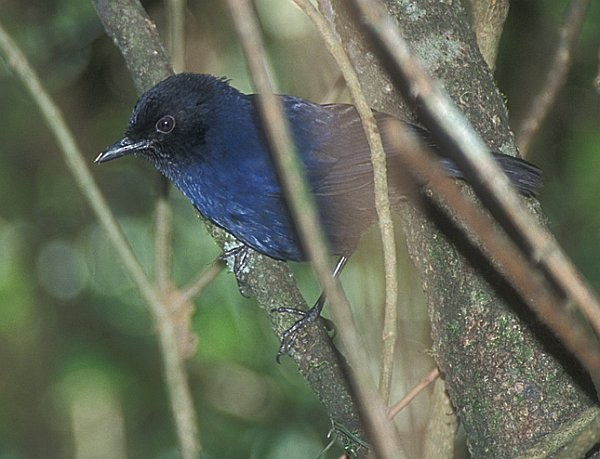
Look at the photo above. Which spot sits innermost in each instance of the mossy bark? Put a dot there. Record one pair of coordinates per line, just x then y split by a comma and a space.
515, 390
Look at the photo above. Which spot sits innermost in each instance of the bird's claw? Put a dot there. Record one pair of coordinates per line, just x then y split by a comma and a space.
289, 337
236, 258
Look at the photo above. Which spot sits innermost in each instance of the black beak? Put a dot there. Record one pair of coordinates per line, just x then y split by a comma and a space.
123, 147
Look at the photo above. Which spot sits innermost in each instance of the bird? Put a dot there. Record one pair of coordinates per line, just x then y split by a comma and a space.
207, 138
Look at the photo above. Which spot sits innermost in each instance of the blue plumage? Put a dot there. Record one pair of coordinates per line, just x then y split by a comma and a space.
205, 136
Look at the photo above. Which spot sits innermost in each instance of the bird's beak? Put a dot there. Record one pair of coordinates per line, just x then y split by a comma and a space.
123, 147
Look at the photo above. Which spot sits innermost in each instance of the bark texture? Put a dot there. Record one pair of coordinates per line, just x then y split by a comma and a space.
516, 392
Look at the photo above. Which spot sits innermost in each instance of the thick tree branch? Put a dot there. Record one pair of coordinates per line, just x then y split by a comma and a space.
488, 23
478, 336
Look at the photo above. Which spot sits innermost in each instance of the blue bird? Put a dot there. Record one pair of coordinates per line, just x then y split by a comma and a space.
206, 137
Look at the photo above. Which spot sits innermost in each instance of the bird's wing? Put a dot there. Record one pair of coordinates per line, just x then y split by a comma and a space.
341, 163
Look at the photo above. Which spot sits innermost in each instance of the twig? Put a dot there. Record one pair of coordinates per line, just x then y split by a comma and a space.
195, 287
162, 240
176, 20
597, 79
382, 202
384, 435
419, 387
440, 434
468, 150
296, 189
555, 76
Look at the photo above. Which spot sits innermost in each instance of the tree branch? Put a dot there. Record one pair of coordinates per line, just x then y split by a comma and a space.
488, 23
380, 186
477, 335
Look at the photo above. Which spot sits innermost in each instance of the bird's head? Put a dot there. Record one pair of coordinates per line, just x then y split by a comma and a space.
170, 121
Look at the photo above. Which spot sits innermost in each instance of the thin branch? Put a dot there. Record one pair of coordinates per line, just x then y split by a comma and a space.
164, 218
491, 184
176, 21
409, 397
509, 261
504, 255
555, 76
177, 385
282, 148
334, 92
597, 79
488, 23
195, 287
382, 202
278, 132
162, 240
384, 435
440, 435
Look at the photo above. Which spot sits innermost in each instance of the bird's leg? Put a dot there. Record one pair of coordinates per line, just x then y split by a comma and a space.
307, 317
236, 259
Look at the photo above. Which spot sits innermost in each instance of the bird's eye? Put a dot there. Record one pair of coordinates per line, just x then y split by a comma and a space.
166, 124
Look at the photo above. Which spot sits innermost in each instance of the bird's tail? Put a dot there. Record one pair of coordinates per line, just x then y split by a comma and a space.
526, 177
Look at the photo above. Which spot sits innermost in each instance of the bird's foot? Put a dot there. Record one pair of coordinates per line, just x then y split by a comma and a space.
236, 258
307, 318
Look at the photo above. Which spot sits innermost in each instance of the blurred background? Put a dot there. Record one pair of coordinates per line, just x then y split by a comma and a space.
80, 369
